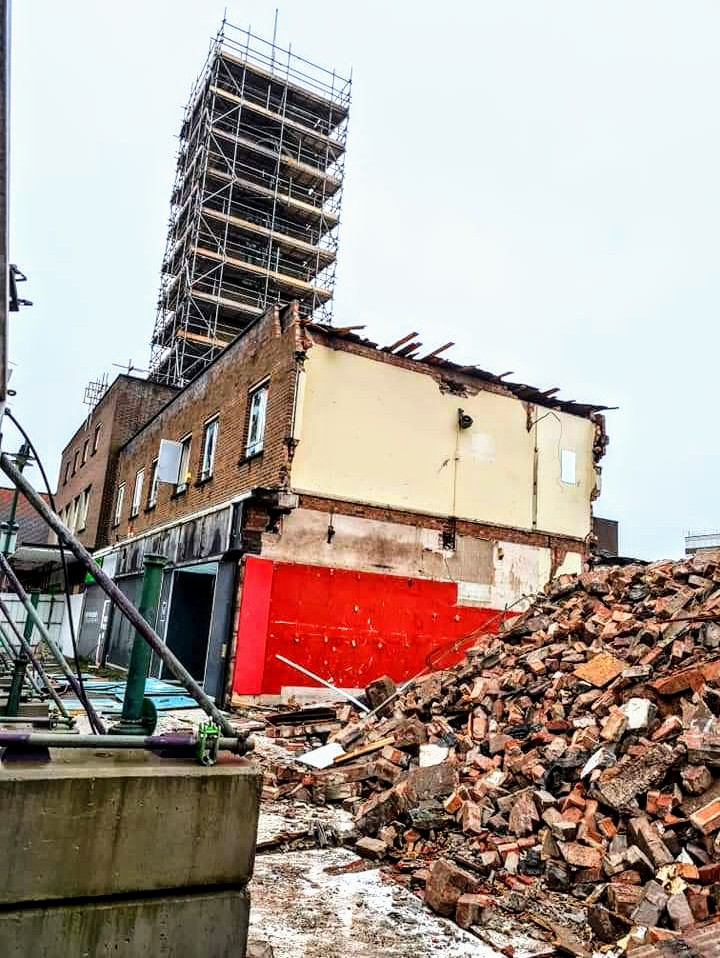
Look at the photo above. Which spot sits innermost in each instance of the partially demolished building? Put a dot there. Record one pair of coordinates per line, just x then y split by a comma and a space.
346, 506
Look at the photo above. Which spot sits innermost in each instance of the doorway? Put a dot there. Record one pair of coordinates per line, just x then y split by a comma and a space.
190, 617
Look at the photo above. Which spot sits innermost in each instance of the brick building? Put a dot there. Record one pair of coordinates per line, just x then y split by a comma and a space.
349, 507
86, 484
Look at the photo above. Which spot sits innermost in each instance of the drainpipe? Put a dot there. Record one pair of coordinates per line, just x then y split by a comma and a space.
138, 716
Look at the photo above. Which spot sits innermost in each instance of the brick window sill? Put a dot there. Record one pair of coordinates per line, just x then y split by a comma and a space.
150, 507
204, 481
250, 458
179, 492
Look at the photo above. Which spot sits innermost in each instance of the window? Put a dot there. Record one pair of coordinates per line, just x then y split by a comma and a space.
567, 467
257, 403
208, 449
74, 514
96, 439
84, 507
152, 497
67, 472
75, 461
137, 493
184, 470
84, 458
119, 504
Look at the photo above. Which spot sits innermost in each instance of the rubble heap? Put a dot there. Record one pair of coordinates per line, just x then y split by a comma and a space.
579, 750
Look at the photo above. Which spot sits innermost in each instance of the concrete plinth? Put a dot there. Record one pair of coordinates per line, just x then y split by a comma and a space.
108, 823
204, 925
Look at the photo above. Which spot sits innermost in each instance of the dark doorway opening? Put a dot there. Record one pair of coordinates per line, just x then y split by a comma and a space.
188, 627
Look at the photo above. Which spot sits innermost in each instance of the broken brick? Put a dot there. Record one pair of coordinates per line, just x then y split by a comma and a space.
445, 885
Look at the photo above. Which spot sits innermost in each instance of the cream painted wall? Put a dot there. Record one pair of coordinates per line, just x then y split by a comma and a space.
370, 431
562, 507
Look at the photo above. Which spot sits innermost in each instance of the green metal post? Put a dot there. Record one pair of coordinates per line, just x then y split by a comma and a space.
135, 719
21, 663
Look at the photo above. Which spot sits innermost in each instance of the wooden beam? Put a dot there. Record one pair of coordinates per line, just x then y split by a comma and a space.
399, 342
410, 348
436, 352
198, 338
364, 749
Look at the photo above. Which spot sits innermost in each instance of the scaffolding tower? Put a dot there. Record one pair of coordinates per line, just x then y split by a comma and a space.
255, 207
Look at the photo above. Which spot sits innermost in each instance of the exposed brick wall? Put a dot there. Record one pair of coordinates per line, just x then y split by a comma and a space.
31, 526
123, 408
268, 349
462, 527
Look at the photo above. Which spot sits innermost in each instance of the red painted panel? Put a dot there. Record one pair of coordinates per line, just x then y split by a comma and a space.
351, 627
253, 627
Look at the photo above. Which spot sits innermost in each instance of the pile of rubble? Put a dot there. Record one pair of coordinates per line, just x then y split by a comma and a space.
578, 752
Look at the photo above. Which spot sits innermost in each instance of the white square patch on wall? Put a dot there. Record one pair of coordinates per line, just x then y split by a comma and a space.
473, 593
568, 467
483, 447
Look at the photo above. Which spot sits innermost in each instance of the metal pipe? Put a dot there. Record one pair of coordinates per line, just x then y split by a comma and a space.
37, 721
350, 698
31, 655
17, 587
132, 721
7, 652
21, 662
238, 744
120, 600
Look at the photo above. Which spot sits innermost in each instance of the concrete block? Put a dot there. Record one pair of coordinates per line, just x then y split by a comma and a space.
94, 823
203, 925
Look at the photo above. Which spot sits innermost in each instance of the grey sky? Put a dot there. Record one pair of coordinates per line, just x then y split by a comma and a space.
535, 179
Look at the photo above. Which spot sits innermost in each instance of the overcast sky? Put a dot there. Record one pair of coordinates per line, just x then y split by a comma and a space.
535, 179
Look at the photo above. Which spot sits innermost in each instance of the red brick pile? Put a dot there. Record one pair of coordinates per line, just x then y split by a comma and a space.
579, 750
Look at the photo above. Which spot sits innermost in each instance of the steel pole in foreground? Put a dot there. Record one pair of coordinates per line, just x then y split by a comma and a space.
21, 663
37, 665
9, 653
133, 721
121, 601
16, 586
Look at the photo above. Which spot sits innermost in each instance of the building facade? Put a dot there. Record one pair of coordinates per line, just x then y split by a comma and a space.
351, 508
86, 482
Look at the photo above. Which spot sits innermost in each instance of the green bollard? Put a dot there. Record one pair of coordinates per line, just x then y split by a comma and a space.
21, 663
138, 713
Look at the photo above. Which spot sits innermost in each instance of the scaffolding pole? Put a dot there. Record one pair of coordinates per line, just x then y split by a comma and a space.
113, 592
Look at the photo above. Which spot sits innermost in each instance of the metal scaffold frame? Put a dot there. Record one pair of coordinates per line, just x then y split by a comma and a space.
255, 209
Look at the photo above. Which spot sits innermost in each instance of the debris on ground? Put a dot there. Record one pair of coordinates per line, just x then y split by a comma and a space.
566, 772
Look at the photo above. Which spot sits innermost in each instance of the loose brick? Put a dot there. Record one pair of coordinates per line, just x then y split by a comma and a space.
445, 884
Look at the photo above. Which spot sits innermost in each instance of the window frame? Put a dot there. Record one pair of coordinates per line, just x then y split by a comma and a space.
137, 492
84, 509
119, 500
207, 468
568, 467
76, 457
67, 470
154, 485
96, 438
254, 447
84, 456
184, 468
75, 513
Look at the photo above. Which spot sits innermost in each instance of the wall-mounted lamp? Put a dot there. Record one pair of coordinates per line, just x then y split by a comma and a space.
464, 421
